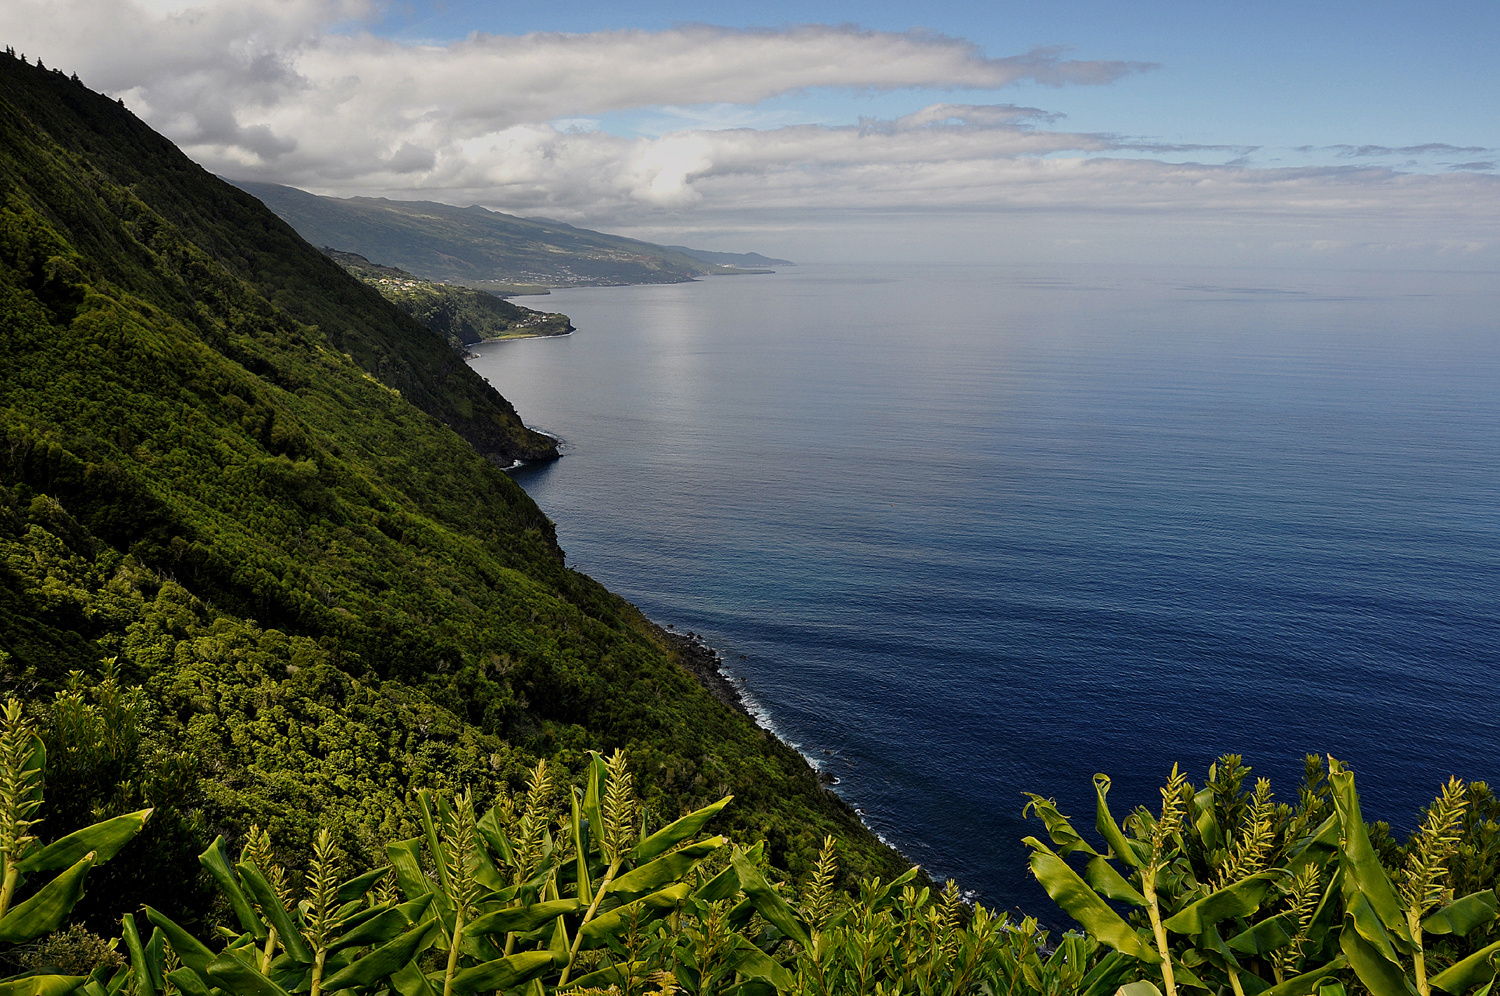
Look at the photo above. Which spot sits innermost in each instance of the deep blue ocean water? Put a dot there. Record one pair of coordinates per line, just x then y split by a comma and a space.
968, 531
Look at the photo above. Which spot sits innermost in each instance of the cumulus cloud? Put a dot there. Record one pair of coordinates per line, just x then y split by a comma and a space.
305, 92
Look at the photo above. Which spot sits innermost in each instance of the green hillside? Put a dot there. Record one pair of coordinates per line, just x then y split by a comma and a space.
272, 498
475, 246
461, 315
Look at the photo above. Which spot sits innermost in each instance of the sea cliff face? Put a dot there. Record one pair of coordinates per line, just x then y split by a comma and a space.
272, 500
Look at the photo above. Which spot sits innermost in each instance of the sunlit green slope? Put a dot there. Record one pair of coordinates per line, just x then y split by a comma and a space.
225, 462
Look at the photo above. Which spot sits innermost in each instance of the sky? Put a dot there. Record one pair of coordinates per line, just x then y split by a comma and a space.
1284, 134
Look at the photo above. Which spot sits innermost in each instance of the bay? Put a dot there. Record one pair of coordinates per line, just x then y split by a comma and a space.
964, 532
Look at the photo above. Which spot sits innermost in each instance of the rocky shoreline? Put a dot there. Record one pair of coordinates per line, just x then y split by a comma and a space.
703, 663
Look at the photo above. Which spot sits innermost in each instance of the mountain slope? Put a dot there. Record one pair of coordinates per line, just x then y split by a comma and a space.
461, 315
329, 595
475, 246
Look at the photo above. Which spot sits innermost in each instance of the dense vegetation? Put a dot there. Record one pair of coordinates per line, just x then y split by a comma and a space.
225, 468
476, 247
460, 315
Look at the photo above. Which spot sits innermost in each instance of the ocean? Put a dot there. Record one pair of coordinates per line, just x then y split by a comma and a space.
964, 532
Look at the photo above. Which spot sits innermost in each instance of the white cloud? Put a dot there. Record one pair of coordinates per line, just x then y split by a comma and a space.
268, 89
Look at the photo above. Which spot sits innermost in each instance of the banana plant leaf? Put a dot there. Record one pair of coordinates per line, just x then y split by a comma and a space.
1105, 977
522, 918
103, 839
216, 860
657, 874
1240, 899
1110, 884
1462, 915
1083, 904
193, 952
270, 906
644, 910
1268, 935
42, 985
494, 835
767, 901
228, 972
188, 982
1317, 848
676, 832
406, 858
144, 983
753, 963
1110, 830
1059, 828
610, 975
45, 911
1379, 973
435, 845
410, 981
597, 778
503, 973
387, 926
1362, 916
383, 961
1476, 969
1308, 982
357, 886
579, 826
1141, 988
1363, 871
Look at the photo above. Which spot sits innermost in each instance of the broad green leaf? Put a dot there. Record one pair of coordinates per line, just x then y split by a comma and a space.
657, 874
503, 973
1109, 829
522, 918
383, 961
1308, 982
767, 901
1316, 848
387, 926
1362, 869
216, 860
1207, 824
645, 910
1462, 915
676, 832
228, 972
1477, 968
189, 982
753, 963
104, 840
1141, 988
156, 958
1059, 828
579, 826
1083, 904
270, 907
356, 887
1380, 975
193, 952
1110, 884
410, 981
1367, 923
724, 885
494, 835
143, 980
612, 975
434, 840
1108, 974
42, 985
45, 911
598, 776
1240, 899
406, 858
1268, 935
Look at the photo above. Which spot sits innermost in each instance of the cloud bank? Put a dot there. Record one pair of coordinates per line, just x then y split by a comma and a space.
305, 92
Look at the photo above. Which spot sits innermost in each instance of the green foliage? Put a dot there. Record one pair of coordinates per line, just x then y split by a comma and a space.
475, 247
224, 467
1235, 892
460, 315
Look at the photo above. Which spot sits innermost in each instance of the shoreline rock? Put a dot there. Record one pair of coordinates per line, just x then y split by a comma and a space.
703, 663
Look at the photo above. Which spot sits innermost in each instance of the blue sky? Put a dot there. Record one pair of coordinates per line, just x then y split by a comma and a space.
1280, 76
1287, 134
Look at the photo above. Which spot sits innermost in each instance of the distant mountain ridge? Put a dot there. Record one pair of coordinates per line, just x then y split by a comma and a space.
738, 259
481, 248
